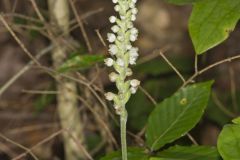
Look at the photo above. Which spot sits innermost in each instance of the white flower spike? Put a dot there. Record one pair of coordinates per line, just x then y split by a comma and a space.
124, 54
122, 51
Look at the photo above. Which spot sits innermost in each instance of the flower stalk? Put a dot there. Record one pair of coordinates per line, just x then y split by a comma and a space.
123, 54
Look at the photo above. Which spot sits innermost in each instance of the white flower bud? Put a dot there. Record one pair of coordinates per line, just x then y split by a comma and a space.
133, 52
130, 25
117, 8
134, 83
129, 72
113, 49
133, 90
115, 28
109, 96
111, 37
116, 107
134, 30
113, 76
118, 110
108, 62
112, 19
134, 1
114, 1
132, 5
133, 18
129, 46
133, 37
134, 11
132, 60
120, 62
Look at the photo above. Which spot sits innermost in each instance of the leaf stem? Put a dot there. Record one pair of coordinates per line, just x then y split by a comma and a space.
123, 121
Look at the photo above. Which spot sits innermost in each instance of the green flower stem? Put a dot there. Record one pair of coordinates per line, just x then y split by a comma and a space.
123, 121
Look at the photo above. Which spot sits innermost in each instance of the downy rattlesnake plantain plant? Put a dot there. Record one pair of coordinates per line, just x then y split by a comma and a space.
123, 54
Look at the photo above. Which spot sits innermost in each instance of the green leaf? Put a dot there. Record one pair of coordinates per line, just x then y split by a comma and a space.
79, 62
176, 115
188, 153
133, 154
181, 2
236, 120
229, 142
212, 21
144, 105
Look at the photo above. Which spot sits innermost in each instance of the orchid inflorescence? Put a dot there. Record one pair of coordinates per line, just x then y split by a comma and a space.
122, 53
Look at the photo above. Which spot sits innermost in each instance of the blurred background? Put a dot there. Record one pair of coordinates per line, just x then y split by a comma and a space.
28, 104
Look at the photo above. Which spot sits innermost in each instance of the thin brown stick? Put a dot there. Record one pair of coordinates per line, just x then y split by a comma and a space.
19, 145
148, 95
81, 26
18, 40
45, 140
210, 67
100, 37
39, 92
173, 67
192, 139
23, 70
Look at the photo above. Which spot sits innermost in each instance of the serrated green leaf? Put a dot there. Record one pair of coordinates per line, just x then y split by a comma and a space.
228, 142
181, 2
176, 115
212, 21
80, 62
188, 153
133, 154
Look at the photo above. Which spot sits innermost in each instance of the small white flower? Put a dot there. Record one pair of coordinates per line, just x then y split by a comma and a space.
134, 11
134, 1
134, 30
108, 62
129, 46
113, 49
133, 90
134, 83
117, 8
120, 62
130, 25
116, 107
113, 76
123, 17
132, 5
115, 28
118, 110
132, 60
111, 37
133, 17
112, 19
133, 37
133, 52
109, 96
114, 1
129, 72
